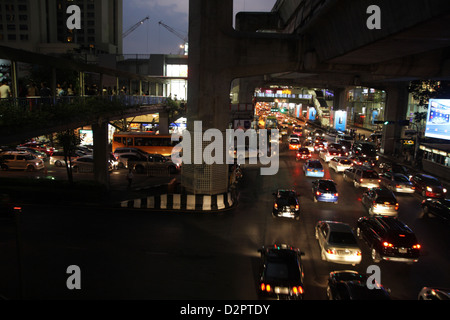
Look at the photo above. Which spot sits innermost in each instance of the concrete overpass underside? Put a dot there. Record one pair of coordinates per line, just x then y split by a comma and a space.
321, 43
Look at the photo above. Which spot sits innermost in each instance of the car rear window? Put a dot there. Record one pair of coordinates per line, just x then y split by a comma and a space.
342, 238
282, 269
369, 174
316, 165
345, 162
386, 200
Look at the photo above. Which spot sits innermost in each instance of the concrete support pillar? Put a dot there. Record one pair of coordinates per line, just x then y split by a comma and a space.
396, 108
164, 123
340, 99
101, 153
14, 78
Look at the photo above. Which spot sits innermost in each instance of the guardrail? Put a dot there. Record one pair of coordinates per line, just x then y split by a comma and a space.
34, 102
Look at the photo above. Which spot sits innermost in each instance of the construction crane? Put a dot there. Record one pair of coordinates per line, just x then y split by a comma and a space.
137, 25
184, 46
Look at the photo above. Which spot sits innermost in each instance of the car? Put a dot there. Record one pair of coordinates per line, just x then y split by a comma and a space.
39, 147
313, 168
20, 160
362, 177
35, 152
293, 137
319, 146
389, 239
351, 285
338, 147
438, 207
343, 136
281, 273
346, 144
364, 149
155, 163
428, 186
396, 182
298, 131
303, 154
337, 242
340, 164
123, 158
433, 293
119, 151
380, 201
329, 153
85, 164
319, 133
309, 145
362, 161
394, 168
294, 144
286, 204
57, 158
325, 191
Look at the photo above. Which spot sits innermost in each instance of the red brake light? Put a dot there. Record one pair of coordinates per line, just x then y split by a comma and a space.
268, 288
275, 206
318, 193
296, 207
387, 244
417, 246
263, 287
297, 290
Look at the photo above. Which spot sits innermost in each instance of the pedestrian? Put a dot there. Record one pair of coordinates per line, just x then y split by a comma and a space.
5, 90
130, 178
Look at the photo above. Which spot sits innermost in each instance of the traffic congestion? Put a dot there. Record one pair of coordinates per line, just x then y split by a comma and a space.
386, 192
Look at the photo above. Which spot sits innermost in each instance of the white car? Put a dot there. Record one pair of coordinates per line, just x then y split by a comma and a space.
57, 158
329, 153
340, 164
20, 160
337, 243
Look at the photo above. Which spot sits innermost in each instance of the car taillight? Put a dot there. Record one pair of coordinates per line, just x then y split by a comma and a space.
336, 194
318, 193
358, 253
416, 246
379, 180
387, 244
296, 207
396, 206
275, 206
331, 251
297, 290
361, 180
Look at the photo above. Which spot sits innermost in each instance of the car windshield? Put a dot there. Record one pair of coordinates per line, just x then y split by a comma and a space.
370, 175
342, 238
294, 141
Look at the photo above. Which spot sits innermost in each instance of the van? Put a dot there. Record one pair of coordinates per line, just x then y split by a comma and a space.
20, 160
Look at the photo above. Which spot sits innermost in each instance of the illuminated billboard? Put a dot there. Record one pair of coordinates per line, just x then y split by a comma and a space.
340, 120
438, 119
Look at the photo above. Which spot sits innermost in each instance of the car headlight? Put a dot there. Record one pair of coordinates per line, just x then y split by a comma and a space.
444, 190
429, 189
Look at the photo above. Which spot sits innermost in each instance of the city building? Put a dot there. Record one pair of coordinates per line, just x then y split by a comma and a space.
41, 26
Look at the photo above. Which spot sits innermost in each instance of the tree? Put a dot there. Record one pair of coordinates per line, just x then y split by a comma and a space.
68, 140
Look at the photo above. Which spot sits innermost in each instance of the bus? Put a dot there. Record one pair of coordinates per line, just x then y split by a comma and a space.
145, 141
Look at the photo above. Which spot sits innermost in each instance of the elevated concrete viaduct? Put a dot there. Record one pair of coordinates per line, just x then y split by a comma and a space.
323, 43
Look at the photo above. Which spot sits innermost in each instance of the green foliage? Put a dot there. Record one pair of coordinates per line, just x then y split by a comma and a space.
14, 118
